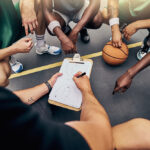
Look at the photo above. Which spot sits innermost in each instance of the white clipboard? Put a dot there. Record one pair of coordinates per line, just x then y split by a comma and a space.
65, 93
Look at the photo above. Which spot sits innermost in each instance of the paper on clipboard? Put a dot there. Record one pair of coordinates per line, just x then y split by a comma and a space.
65, 93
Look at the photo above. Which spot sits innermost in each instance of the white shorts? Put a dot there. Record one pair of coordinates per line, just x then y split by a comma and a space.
75, 18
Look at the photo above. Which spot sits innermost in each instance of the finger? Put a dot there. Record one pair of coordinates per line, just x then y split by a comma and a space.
31, 46
123, 90
27, 39
114, 44
117, 45
77, 74
31, 28
34, 25
120, 43
117, 89
58, 75
26, 29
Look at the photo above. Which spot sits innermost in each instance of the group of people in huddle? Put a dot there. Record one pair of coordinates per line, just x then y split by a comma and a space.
23, 128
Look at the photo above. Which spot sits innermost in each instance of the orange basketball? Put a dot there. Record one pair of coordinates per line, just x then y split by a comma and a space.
113, 55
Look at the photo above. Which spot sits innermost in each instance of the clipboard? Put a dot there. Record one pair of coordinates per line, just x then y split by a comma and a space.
65, 86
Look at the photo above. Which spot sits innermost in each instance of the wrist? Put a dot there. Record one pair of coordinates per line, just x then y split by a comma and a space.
137, 25
115, 28
130, 73
48, 86
14, 49
87, 92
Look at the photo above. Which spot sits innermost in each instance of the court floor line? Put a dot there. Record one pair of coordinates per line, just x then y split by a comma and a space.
57, 64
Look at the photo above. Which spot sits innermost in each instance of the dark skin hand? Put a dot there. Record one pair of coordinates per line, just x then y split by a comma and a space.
124, 82
67, 45
87, 16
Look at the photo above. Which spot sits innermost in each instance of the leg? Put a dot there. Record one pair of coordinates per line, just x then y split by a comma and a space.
134, 134
96, 22
5, 72
41, 46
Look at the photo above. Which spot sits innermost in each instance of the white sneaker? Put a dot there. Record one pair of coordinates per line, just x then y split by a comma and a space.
53, 50
16, 66
141, 54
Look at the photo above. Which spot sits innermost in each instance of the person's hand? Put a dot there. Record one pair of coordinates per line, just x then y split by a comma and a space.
53, 79
24, 45
116, 38
73, 37
129, 31
123, 83
82, 83
68, 46
29, 18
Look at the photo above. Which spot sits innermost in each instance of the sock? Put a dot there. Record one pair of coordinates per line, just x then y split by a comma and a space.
40, 40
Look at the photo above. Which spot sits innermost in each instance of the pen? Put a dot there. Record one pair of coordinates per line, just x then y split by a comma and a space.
81, 75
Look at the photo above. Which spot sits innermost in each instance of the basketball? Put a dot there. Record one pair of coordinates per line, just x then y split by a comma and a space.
113, 55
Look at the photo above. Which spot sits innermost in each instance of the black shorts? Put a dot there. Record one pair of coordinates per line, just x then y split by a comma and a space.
21, 128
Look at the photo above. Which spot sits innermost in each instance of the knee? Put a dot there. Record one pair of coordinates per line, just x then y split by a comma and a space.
139, 123
5, 72
4, 81
96, 23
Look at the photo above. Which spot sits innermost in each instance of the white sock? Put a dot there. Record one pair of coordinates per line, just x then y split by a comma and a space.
40, 40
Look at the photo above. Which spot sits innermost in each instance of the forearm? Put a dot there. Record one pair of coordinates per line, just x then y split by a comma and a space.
29, 96
113, 12
145, 62
7, 52
88, 14
26, 4
91, 108
142, 24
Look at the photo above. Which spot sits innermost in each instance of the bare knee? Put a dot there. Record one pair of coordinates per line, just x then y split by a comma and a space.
96, 22
5, 72
4, 80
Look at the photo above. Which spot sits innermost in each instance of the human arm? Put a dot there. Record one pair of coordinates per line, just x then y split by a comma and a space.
28, 15
124, 82
87, 16
113, 11
94, 123
134, 27
22, 46
66, 43
31, 95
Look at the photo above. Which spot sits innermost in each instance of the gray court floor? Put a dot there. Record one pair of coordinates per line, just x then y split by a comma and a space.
121, 107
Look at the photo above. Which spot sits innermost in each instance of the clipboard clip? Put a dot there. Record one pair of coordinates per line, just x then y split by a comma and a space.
77, 59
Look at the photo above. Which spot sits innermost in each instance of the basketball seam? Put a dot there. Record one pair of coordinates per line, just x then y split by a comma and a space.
119, 49
113, 56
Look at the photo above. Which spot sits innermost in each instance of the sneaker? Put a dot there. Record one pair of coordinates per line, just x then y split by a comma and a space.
53, 50
16, 66
141, 54
85, 38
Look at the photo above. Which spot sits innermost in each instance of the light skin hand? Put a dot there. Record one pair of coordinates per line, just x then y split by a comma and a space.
123, 83
129, 31
24, 45
116, 36
54, 78
28, 14
82, 83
